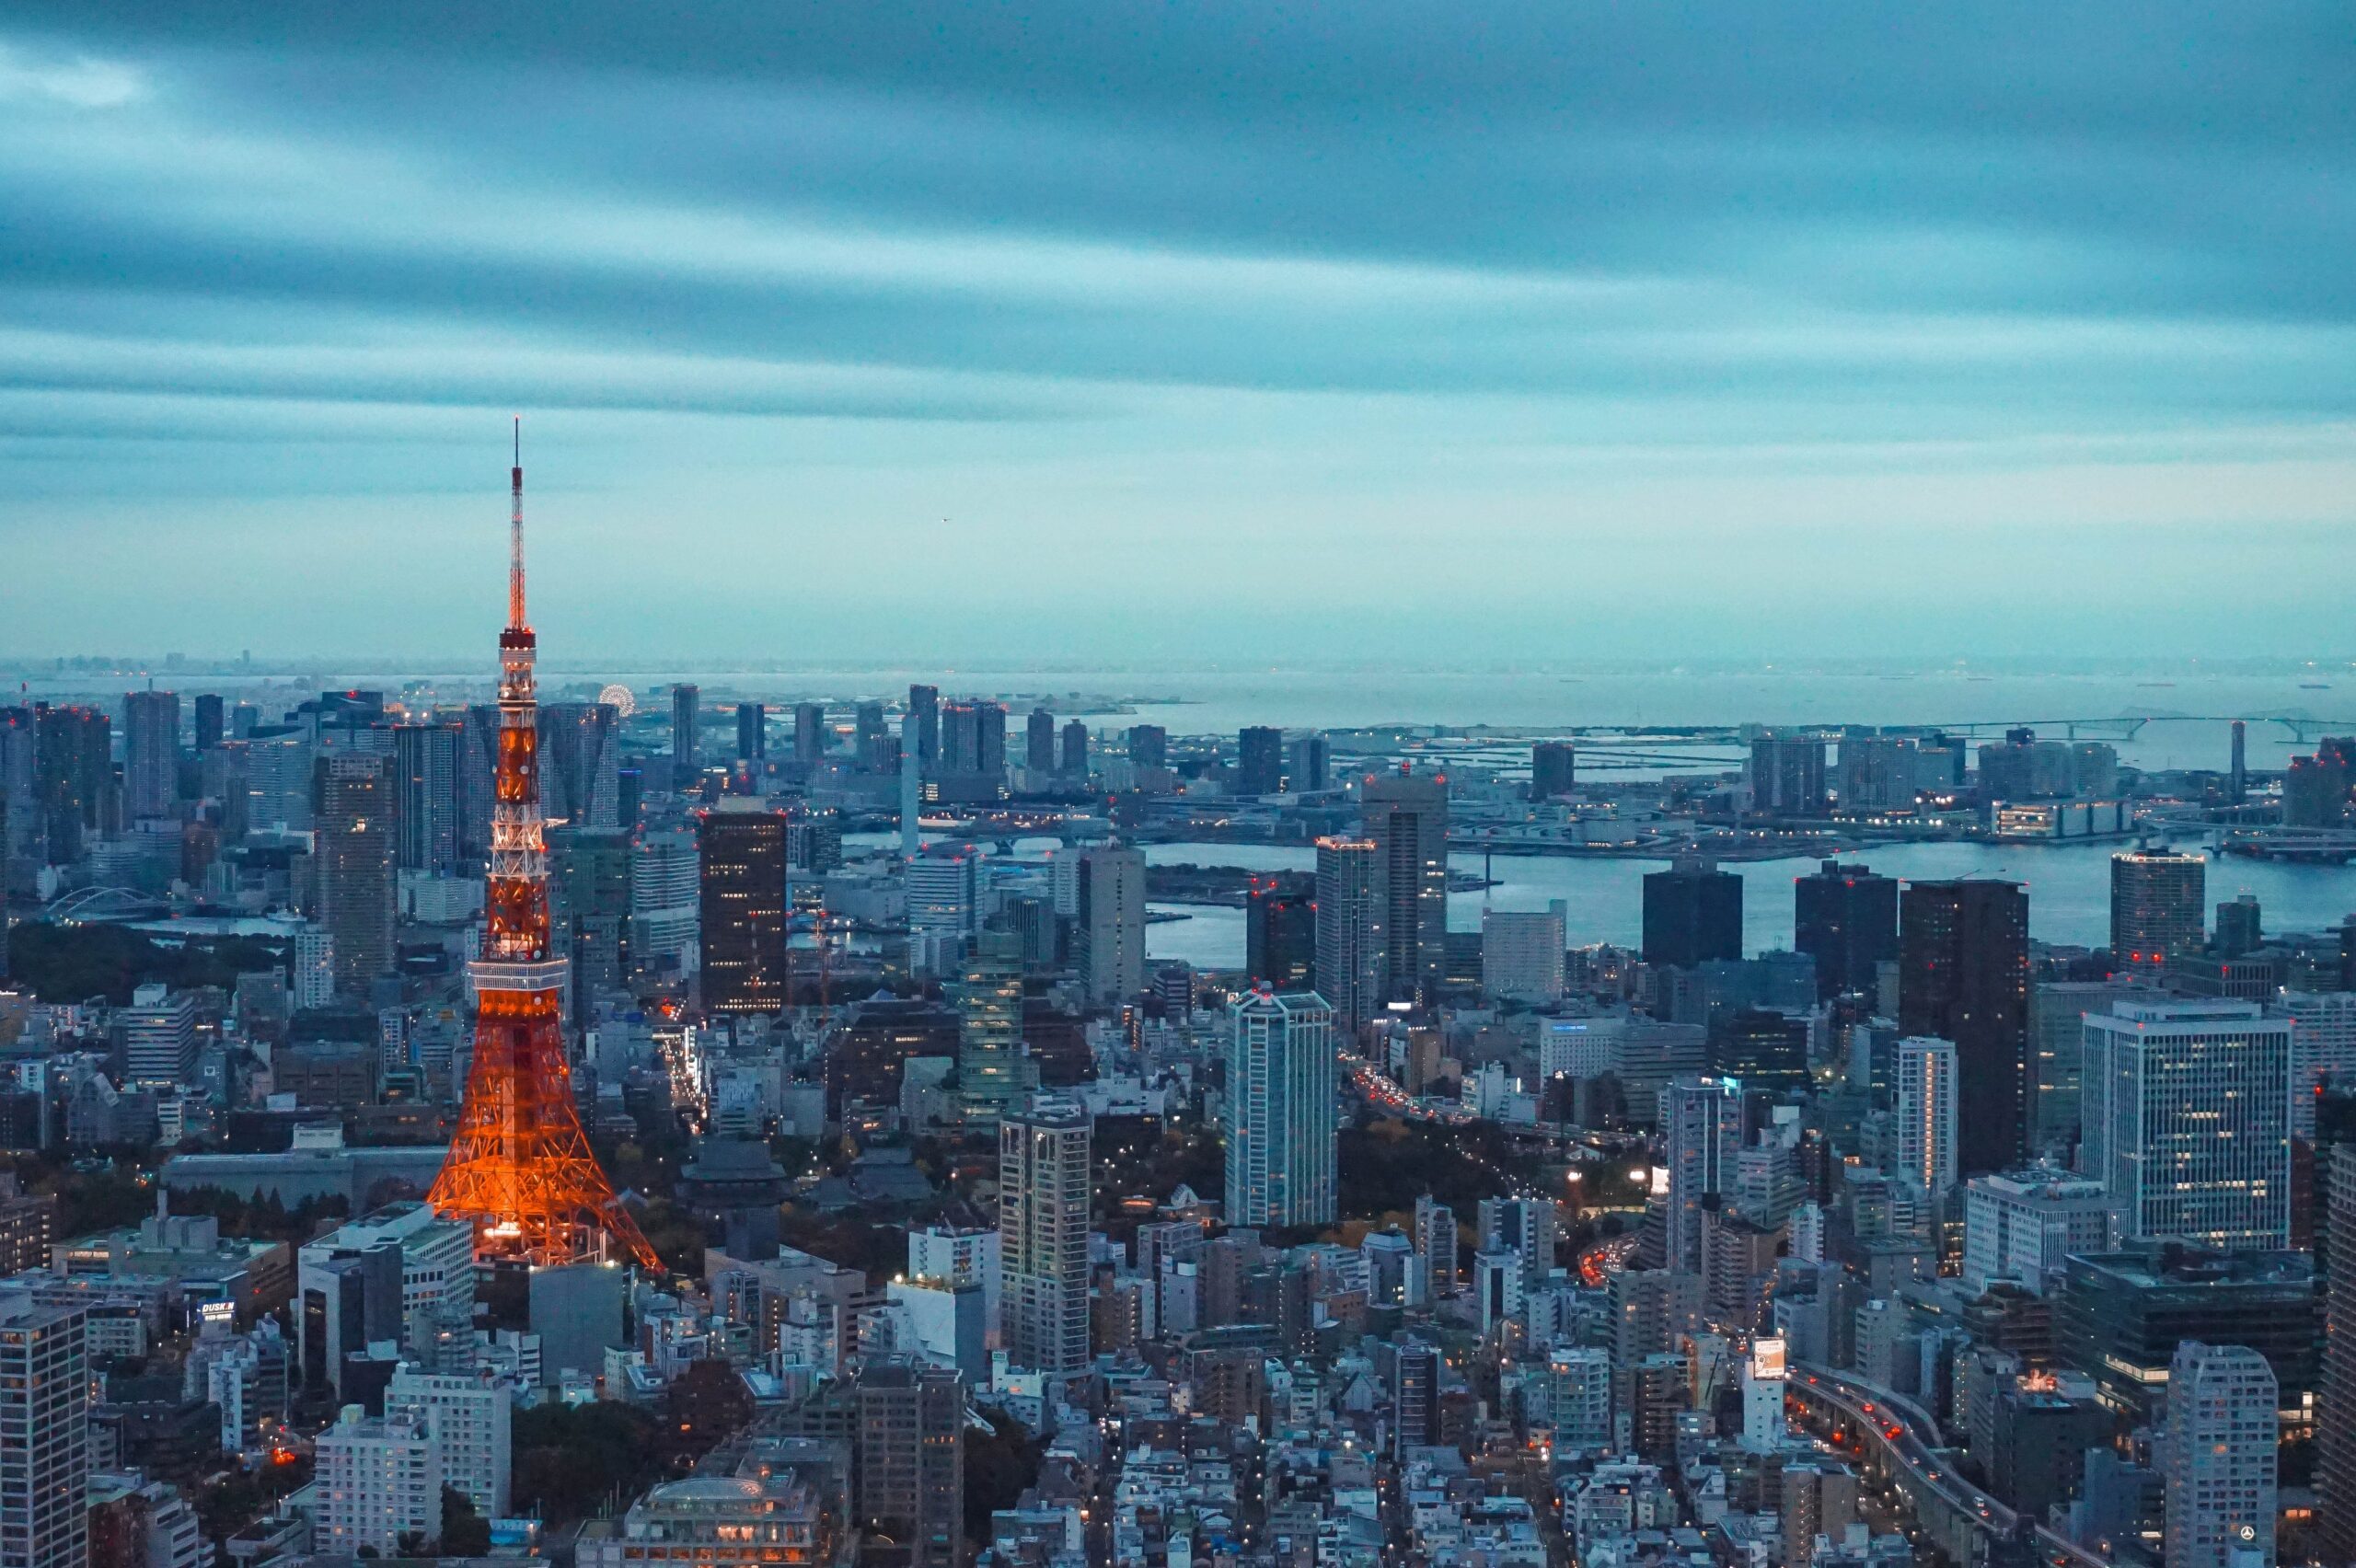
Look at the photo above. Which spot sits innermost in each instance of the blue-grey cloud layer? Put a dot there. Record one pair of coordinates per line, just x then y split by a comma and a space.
1414, 308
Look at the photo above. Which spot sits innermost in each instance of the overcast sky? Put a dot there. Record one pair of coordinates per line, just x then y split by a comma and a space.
1184, 331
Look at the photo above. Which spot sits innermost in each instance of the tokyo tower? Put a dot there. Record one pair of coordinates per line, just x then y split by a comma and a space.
520, 1167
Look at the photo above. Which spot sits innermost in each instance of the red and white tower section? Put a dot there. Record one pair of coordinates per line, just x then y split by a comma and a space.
521, 1167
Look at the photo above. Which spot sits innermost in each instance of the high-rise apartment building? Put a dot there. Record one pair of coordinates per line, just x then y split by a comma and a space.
1044, 1184
2218, 1462
1109, 934
1553, 769
354, 849
467, 1418
1436, 1247
924, 712
1692, 915
208, 720
1924, 1082
741, 846
752, 731
151, 753
1406, 816
580, 752
686, 735
1700, 1123
44, 1441
1351, 943
1787, 776
1149, 745
2323, 1050
73, 777
1074, 762
993, 1074
378, 1482
1259, 760
1845, 917
2336, 1419
2158, 903
1282, 1121
1524, 1227
2187, 1111
810, 736
1963, 975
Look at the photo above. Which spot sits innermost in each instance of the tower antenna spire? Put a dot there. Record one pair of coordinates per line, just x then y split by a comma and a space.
516, 537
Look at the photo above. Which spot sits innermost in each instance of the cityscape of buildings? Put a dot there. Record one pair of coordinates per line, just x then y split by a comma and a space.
665, 1129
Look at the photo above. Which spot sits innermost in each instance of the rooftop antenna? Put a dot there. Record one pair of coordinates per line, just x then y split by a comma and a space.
516, 537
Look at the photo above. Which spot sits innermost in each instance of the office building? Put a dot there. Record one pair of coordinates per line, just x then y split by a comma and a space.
2187, 1111
763, 1515
425, 798
1522, 955
1044, 1183
1280, 933
665, 900
207, 719
1109, 934
1149, 745
433, 1271
1406, 817
159, 1037
2240, 926
910, 1463
1692, 914
1074, 762
687, 728
1259, 760
1351, 945
1039, 741
355, 850
1963, 975
44, 1444
151, 753
377, 1482
2323, 1050
2218, 1464
944, 893
1845, 917
2057, 1043
2158, 902
2119, 1316
2025, 1225
1787, 776
1281, 1109
1924, 1086
1700, 1120
752, 731
868, 733
1308, 763
993, 1073
740, 845
1553, 769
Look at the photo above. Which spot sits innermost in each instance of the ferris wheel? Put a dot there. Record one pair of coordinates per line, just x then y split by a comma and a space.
619, 698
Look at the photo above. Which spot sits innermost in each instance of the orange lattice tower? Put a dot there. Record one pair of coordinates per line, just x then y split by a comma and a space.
520, 1167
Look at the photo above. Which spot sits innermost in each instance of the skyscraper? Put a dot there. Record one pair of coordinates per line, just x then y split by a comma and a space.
1111, 929
1553, 769
1845, 917
1963, 975
1350, 943
151, 753
992, 1073
752, 731
1280, 934
425, 798
740, 844
2219, 1462
809, 734
1522, 953
210, 729
355, 846
1787, 775
1700, 1122
1044, 1183
1039, 741
686, 725
44, 1416
1406, 815
1692, 914
1074, 762
74, 773
924, 712
581, 764
1924, 1086
1259, 760
2158, 902
1149, 745
2187, 1111
1281, 1117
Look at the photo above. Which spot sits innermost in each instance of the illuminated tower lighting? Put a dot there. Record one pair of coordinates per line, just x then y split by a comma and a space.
520, 1167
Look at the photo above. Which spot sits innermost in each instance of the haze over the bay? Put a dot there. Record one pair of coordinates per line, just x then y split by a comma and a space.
1079, 332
